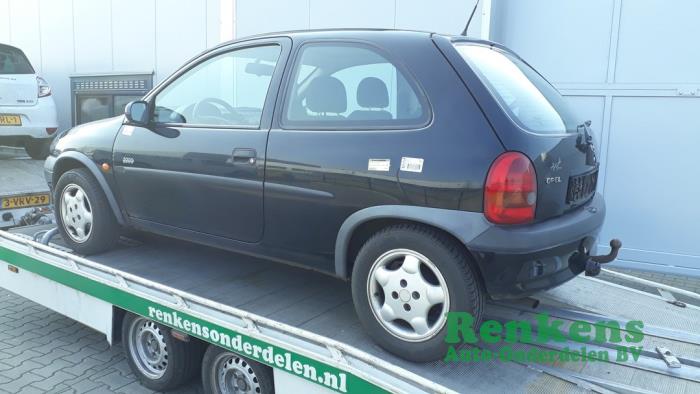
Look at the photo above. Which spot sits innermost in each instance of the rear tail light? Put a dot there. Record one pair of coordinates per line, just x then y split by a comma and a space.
51, 130
43, 88
510, 195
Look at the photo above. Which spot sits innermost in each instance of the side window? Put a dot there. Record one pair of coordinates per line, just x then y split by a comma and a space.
351, 86
226, 90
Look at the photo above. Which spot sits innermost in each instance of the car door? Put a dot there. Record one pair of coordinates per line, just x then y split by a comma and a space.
199, 166
348, 116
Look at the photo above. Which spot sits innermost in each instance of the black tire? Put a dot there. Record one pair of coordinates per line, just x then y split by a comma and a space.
256, 374
103, 230
37, 149
459, 278
182, 362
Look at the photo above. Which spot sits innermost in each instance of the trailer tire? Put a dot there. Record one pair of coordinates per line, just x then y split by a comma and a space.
405, 279
159, 361
224, 369
102, 233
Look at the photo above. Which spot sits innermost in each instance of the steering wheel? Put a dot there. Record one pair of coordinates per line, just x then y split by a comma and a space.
213, 102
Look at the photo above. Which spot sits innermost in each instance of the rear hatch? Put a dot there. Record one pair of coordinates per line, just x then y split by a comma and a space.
530, 116
18, 83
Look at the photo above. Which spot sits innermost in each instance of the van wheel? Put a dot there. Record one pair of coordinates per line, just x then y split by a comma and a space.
160, 361
226, 372
37, 149
404, 281
84, 217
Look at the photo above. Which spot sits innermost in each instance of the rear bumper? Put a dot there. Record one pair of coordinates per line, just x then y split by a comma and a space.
48, 171
520, 260
35, 120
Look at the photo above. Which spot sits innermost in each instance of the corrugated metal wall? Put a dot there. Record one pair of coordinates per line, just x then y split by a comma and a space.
631, 66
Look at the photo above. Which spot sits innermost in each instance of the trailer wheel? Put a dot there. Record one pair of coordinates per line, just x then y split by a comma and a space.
226, 372
405, 280
85, 220
160, 361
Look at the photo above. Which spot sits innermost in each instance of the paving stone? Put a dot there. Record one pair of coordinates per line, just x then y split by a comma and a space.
48, 383
80, 355
134, 388
108, 355
27, 354
18, 370
19, 383
114, 380
55, 366
85, 385
31, 390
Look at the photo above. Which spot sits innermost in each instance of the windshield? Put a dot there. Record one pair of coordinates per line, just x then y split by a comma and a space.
527, 97
13, 61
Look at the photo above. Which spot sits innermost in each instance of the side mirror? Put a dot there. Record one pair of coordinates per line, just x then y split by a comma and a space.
137, 113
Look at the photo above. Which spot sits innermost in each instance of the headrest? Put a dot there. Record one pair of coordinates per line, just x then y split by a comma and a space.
326, 94
372, 93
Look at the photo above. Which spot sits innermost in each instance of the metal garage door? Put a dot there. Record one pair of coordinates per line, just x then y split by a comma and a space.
631, 66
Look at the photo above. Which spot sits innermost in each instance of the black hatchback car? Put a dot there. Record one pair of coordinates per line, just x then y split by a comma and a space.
431, 171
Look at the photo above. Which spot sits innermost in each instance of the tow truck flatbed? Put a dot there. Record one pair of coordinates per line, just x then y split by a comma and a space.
311, 314
20, 177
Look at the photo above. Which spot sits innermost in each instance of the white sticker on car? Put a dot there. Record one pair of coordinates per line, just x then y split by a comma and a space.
411, 164
378, 165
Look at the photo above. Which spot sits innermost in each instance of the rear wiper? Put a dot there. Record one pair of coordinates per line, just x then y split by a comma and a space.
584, 142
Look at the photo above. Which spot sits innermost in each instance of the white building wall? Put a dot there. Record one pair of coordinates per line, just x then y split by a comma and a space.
443, 16
64, 37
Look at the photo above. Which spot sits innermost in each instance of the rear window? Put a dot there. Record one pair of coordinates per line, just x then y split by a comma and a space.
13, 61
525, 95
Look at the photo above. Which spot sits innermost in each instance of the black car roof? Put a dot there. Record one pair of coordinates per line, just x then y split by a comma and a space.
351, 33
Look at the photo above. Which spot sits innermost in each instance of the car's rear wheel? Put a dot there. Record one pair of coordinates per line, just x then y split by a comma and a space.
84, 217
37, 149
405, 280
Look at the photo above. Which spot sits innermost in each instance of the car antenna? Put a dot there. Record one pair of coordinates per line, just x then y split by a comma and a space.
464, 32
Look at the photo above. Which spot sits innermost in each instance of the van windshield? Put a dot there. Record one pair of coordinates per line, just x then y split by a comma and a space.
13, 61
527, 97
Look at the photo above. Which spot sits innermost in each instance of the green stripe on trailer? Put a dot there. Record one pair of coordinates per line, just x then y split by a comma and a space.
296, 364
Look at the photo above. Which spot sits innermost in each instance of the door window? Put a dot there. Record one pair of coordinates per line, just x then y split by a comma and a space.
344, 85
226, 90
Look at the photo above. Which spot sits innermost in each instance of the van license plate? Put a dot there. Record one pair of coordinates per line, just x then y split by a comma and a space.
10, 120
33, 200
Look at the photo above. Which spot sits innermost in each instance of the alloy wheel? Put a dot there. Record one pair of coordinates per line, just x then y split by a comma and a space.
408, 295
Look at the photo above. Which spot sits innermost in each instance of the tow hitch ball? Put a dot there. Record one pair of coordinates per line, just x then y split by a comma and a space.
591, 264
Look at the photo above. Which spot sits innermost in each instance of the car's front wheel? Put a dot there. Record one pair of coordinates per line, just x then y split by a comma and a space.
37, 149
405, 280
84, 217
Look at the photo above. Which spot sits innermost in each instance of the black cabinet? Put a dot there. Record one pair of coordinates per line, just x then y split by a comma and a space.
102, 96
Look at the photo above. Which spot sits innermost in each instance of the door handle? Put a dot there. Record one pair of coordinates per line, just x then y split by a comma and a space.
244, 156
